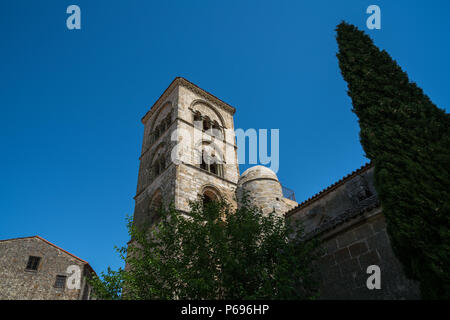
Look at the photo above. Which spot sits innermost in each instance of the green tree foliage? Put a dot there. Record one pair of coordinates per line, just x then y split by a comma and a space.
407, 138
213, 253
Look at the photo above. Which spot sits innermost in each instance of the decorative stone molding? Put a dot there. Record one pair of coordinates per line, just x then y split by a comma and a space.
179, 81
365, 205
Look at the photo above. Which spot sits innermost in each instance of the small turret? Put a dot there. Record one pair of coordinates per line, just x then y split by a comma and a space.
264, 190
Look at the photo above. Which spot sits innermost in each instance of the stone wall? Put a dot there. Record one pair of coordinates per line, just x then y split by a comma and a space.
164, 184
148, 184
17, 283
191, 181
348, 218
353, 247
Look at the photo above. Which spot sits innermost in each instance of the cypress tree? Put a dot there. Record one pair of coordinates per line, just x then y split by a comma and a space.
407, 138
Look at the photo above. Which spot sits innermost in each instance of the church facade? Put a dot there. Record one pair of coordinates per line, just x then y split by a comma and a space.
346, 216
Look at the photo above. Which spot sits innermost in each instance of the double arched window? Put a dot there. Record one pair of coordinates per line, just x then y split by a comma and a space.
161, 128
158, 163
206, 124
211, 159
158, 166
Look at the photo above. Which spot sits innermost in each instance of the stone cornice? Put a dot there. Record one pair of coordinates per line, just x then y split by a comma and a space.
366, 205
209, 173
189, 165
179, 81
261, 178
161, 138
333, 187
368, 214
223, 140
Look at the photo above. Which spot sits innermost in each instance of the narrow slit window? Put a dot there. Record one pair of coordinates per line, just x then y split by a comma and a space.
198, 120
203, 163
213, 168
206, 124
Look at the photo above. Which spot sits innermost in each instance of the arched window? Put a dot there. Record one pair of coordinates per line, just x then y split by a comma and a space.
197, 119
217, 130
211, 160
206, 199
213, 168
159, 166
209, 194
155, 208
151, 137
206, 123
161, 121
168, 120
203, 163
160, 128
158, 163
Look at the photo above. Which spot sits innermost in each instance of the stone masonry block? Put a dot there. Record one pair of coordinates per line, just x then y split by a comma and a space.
368, 259
350, 266
327, 261
378, 225
345, 239
331, 246
342, 255
380, 239
358, 248
361, 279
331, 274
363, 232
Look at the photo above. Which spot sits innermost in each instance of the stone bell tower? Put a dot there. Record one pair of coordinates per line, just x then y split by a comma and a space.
188, 151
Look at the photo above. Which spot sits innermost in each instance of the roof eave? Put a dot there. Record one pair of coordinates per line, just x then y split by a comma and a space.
180, 81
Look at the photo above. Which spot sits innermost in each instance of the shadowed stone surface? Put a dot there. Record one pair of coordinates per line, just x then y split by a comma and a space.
347, 216
353, 229
19, 283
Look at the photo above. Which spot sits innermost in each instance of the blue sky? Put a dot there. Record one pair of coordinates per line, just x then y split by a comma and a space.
71, 101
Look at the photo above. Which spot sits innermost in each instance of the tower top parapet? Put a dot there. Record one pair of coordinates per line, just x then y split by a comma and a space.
180, 81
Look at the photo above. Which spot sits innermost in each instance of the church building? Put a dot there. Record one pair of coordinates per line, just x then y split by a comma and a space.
346, 216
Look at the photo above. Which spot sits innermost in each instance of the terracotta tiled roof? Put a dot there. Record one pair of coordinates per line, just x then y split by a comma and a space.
330, 188
54, 245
